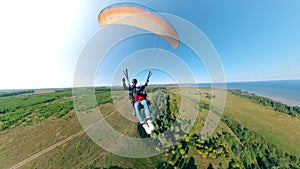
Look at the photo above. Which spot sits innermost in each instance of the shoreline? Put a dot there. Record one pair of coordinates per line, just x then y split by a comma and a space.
283, 100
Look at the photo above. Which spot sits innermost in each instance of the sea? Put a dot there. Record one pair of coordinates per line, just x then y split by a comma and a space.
284, 91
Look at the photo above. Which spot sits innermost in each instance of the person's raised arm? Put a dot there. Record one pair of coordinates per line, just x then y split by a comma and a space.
146, 84
124, 84
148, 77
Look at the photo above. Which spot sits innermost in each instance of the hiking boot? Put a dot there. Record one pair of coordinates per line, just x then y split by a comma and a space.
145, 126
151, 126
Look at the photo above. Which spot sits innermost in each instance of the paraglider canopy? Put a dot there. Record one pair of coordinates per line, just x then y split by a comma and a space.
140, 17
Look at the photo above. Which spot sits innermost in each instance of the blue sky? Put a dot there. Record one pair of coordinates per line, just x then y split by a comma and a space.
41, 40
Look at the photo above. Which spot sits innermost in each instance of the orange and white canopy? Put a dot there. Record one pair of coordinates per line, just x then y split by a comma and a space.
140, 17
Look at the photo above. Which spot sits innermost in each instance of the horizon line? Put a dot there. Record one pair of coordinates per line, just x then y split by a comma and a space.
156, 84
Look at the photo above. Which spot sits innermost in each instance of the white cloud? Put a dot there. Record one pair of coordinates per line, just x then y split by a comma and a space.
34, 35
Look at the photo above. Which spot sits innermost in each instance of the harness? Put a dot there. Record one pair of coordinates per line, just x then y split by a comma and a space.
132, 90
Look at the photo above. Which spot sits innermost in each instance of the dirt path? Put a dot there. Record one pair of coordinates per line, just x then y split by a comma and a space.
56, 145
46, 150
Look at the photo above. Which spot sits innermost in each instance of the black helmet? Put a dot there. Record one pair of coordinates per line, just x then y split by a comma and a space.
134, 81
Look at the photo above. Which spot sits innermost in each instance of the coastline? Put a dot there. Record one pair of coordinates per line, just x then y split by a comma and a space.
283, 100
284, 91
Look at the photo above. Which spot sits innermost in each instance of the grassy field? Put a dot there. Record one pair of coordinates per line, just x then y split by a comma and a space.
19, 142
277, 128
